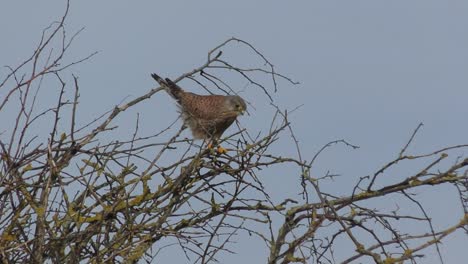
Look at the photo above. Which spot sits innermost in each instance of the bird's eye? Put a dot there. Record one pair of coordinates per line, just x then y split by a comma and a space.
237, 106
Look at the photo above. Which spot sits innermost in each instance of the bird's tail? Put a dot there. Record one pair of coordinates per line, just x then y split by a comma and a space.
171, 87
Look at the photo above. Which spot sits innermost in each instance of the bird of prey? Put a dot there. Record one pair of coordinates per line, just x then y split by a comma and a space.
207, 116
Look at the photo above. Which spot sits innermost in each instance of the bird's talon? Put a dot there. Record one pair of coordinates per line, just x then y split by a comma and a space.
221, 150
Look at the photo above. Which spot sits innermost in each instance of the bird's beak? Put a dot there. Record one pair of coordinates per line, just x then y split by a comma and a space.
241, 112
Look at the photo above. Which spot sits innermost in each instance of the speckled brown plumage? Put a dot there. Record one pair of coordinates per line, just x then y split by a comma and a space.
208, 116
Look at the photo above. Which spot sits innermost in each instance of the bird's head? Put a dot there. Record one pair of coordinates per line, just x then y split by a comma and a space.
236, 104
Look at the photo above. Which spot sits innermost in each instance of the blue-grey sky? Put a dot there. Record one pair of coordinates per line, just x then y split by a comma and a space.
369, 72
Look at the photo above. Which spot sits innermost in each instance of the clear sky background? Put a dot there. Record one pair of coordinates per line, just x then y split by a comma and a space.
369, 70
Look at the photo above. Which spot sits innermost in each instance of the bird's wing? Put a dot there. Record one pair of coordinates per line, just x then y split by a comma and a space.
202, 106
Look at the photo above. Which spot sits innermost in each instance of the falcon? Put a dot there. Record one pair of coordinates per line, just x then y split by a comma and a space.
207, 116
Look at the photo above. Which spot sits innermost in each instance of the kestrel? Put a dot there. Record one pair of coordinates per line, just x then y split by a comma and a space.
207, 116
